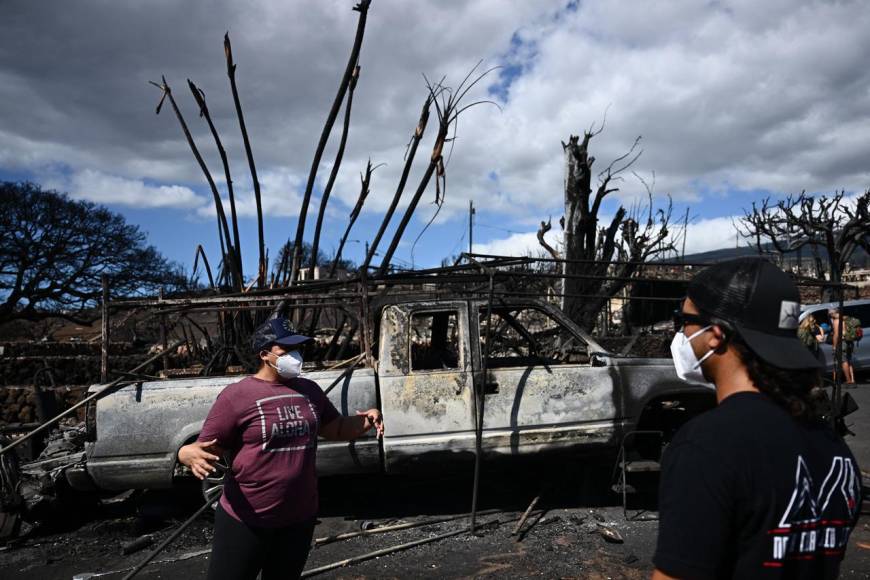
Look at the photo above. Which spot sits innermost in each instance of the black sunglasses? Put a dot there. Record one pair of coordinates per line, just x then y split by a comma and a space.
681, 319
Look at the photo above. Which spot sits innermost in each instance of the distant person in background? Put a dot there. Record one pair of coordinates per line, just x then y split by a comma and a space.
849, 327
812, 335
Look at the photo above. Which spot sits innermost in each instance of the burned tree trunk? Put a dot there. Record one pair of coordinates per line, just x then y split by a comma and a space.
400, 188
363, 9
199, 96
599, 261
230, 255
315, 245
231, 73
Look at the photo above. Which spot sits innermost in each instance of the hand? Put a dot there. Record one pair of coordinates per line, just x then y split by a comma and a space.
198, 458
373, 419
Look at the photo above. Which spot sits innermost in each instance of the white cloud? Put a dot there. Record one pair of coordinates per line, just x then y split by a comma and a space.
520, 244
703, 235
99, 187
280, 196
730, 97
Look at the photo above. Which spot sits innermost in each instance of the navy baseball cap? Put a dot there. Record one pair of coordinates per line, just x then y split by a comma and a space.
278, 331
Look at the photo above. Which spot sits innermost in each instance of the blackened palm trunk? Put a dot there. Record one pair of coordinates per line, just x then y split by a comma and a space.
362, 8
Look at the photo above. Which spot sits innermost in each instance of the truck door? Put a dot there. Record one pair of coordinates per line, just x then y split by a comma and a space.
542, 390
425, 377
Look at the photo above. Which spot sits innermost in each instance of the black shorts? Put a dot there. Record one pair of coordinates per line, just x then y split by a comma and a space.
240, 552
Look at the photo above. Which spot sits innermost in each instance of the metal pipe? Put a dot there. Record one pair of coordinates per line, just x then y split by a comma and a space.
397, 527
480, 397
168, 540
390, 550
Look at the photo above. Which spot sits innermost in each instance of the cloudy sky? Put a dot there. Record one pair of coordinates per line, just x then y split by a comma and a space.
734, 101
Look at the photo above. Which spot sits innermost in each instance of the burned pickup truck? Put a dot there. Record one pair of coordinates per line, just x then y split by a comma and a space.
548, 387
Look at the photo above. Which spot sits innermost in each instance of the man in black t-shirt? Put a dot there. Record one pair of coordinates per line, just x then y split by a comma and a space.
758, 487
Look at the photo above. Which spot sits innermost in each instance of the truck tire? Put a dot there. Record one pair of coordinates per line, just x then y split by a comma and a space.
10, 499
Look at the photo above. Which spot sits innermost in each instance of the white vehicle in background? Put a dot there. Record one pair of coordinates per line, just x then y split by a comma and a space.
859, 309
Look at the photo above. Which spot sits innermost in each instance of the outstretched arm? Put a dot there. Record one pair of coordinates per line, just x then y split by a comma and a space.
350, 428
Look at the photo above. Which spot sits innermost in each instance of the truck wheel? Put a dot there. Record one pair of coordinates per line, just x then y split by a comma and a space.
213, 485
10, 499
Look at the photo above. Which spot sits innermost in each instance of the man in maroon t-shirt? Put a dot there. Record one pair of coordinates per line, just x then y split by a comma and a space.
268, 424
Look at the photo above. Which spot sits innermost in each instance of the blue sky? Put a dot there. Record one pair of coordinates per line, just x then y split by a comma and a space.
734, 101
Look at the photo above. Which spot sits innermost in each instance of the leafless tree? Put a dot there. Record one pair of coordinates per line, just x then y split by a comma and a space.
835, 224
599, 261
56, 250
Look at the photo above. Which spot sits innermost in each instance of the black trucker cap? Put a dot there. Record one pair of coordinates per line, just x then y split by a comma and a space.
276, 331
762, 303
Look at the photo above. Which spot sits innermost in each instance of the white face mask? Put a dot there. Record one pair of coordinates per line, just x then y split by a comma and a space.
685, 362
288, 365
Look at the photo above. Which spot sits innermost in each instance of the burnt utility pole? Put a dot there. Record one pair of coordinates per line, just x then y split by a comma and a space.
470, 226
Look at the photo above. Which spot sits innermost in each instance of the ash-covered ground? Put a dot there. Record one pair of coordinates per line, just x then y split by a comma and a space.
565, 537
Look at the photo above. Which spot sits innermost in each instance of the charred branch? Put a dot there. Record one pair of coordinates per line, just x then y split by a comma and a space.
199, 96
409, 160
219, 206
231, 73
362, 8
315, 245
